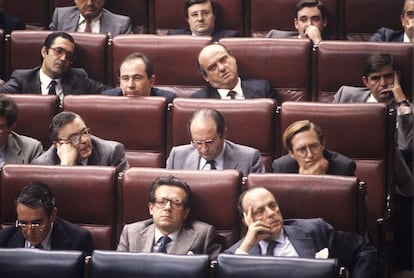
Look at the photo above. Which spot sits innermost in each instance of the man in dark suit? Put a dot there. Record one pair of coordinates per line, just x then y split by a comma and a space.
219, 68
305, 142
89, 16
74, 145
54, 76
310, 21
37, 225
14, 148
385, 34
170, 231
201, 18
268, 234
209, 149
8, 22
137, 78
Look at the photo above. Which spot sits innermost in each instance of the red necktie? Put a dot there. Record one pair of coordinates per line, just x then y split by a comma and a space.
88, 28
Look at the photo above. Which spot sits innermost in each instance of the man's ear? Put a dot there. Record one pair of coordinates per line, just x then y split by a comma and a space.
365, 81
43, 51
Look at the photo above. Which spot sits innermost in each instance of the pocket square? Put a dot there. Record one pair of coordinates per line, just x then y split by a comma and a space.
190, 253
322, 254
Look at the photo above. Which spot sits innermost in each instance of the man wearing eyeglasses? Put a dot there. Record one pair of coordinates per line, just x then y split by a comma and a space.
73, 145
54, 76
37, 224
169, 230
201, 18
209, 149
305, 142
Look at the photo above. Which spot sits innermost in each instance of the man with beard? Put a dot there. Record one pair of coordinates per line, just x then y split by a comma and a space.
268, 234
54, 76
73, 145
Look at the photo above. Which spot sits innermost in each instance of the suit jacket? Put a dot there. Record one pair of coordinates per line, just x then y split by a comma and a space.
387, 35
9, 23
239, 157
195, 237
338, 164
216, 36
404, 176
274, 33
67, 18
252, 88
104, 153
21, 149
74, 81
155, 92
65, 236
309, 236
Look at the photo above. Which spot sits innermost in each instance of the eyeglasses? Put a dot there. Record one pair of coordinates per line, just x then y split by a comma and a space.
199, 143
174, 203
313, 148
76, 138
59, 51
34, 226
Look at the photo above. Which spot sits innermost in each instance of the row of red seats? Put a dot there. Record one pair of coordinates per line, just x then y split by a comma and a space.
294, 71
346, 18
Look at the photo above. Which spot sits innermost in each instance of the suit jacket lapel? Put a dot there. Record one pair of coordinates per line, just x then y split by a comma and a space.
192, 161
145, 240
301, 241
184, 241
229, 160
59, 239
71, 22
255, 250
17, 240
12, 151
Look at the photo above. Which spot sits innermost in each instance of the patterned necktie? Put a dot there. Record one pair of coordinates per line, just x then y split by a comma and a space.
212, 164
52, 87
271, 248
163, 241
88, 28
231, 94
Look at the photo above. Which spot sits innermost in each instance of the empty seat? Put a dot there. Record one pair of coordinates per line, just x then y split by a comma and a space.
107, 264
242, 266
23, 263
259, 58
84, 196
249, 122
137, 122
336, 57
215, 195
338, 200
35, 114
174, 59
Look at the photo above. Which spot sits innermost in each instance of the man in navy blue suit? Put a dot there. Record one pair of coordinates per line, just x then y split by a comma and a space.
268, 234
219, 69
137, 78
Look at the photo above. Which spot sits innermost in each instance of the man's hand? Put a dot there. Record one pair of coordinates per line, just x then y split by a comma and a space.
256, 231
319, 168
409, 29
67, 153
313, 33
396, 89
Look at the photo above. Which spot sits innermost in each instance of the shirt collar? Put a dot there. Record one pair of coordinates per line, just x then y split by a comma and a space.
238, 89
158, 235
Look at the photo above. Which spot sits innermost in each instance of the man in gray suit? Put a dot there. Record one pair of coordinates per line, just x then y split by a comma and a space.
209, 149
170, 231
54, 76
90, 16
14, 148
219, 69
269, 234
73, 144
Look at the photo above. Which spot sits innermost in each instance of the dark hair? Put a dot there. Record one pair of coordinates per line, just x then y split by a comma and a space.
298, 127
52, 36
310, 3
8, 109
403, 8
209, 113
199, 67
189, 3
171, 181
37, 194
59, 121
376, 61
149, 69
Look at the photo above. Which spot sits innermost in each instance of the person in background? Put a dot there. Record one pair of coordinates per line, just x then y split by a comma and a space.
8, 22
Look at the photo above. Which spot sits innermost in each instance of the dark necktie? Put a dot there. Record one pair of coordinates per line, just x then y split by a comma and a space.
88, 28
162, 248
38, 246
231, 94
271, 248
52, 87
212, 164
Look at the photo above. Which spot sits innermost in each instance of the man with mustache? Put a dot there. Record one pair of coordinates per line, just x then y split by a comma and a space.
268, 234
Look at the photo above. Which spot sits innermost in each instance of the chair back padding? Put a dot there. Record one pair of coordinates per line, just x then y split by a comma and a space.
35, 263
242, 266
109, 264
